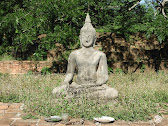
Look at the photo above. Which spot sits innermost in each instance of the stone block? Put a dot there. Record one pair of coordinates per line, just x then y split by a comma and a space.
28, 122
2, 111
12, 116
141, 124
89, 123
4, 106
13, 111
43, 122
1, 116
15, 105
59, 124
5, 121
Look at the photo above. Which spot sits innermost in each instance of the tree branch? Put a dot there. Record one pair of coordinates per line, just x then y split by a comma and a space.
25, 15
134, 5
163, 4
157, 10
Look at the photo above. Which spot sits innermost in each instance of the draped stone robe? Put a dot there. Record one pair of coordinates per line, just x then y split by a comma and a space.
92, 73
91, 66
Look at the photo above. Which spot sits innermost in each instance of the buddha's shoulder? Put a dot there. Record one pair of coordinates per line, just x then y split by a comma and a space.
74, 53
79, 51
100, 53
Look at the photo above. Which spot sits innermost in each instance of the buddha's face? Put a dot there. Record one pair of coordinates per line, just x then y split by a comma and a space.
87, 40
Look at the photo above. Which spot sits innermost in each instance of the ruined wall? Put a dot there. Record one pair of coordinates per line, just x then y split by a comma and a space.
22, 67
137, 55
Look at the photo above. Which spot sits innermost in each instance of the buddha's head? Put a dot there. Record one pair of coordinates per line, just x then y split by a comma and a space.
87, 34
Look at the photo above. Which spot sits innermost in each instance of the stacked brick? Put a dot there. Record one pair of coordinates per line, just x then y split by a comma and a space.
22, 67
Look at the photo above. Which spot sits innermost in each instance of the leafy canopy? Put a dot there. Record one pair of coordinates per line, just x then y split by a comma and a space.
22, 21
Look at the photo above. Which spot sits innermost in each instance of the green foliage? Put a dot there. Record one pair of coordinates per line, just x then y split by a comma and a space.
39, 55
1, 74
30, 116
6, 57
100, 49
46, 70
110, 70
10, 98
21, 23
142, 68
161, 96
118, 70
29, 72
65, 55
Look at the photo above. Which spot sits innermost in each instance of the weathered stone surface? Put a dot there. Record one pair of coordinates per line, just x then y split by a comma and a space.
22, 67
86, 123
15, 105
92, 69
13, 110
2, 111
6, 121
10, 115
1, 116
77, 121
28, 122
59, 124
4, 106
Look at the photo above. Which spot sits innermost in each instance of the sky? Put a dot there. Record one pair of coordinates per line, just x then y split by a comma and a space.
142, 1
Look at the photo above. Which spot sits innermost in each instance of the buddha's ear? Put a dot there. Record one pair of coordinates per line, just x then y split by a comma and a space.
80, 37
95, 38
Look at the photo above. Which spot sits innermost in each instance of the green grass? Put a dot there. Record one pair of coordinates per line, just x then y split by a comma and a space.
29, 116
6, 57
139, 95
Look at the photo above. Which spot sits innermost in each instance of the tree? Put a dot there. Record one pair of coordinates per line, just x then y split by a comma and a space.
59, 21
21, 24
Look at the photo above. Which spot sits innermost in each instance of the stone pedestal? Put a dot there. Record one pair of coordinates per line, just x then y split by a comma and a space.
90, 91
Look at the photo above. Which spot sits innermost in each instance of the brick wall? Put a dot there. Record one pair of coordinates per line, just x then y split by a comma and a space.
21, 67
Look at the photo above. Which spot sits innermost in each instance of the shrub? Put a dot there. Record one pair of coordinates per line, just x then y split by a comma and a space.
46, 70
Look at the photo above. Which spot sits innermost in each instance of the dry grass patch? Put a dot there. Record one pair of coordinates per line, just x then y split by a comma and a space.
138, 96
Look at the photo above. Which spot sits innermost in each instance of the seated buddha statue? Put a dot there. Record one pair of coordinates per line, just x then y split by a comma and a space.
92, 70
